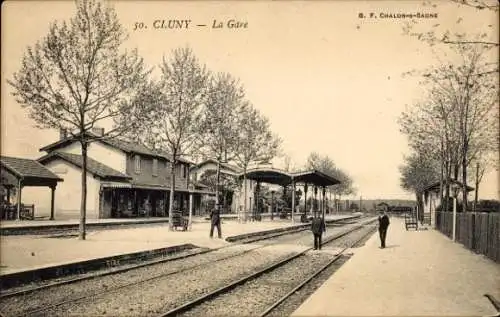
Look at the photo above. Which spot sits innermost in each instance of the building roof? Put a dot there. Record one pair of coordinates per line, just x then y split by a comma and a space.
315, 177
268, 175
29, 171
435, 186
93, 166
233, 168
280, 177
124, 145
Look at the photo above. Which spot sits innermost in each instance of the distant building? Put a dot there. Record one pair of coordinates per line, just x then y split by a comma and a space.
228, 170
123, 180
382, 207
432, 198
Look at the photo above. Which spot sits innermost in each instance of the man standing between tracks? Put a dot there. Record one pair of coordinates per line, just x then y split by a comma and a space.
215, 221
383, 224
317, 228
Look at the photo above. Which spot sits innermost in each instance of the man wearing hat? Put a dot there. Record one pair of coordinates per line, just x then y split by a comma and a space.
317, 228
215, 221
383, 224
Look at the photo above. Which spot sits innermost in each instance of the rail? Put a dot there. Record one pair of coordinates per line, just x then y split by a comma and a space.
189, 305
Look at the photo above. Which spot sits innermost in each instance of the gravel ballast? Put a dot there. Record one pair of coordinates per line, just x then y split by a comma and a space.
155, 289
163, 293
253, 297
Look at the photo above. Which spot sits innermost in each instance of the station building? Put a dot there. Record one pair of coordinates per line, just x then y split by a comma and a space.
124, 180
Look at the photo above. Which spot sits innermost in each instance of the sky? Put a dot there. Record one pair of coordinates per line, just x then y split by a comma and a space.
327, 80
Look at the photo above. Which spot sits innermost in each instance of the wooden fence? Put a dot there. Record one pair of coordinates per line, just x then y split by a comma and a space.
477, 231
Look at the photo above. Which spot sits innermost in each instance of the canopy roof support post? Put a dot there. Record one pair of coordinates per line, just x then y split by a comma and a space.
305, 198
19, 192
315, 200
8, 195
272, 205
190, 220
52, 198
323, 202
311, 210
293, 200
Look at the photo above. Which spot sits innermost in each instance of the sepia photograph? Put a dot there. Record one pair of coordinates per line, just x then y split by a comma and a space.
250, 158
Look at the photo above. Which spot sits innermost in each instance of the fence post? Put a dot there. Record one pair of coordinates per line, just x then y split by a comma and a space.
473, 231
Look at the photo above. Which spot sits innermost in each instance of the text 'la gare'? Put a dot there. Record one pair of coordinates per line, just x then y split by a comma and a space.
186, 24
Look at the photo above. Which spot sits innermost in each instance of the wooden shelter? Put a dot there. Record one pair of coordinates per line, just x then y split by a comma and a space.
20, 172
283, 178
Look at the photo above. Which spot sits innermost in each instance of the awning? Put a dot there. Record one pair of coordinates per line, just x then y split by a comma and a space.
116, 185
201, 191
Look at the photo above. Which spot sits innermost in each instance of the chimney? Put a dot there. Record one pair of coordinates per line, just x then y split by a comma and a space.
63, 134
98, 131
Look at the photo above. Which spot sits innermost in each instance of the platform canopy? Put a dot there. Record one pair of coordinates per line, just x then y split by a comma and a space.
268, 175
280, 177
28, 172
20, 172
315, 177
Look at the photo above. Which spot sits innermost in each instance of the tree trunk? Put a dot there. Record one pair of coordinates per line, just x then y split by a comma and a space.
464, 177
447, 186
83, 204
217, 198
476, 190
420, 204
245, 195
441, 183
456, 169
172, 192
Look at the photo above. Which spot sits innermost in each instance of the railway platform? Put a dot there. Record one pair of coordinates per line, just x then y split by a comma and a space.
419, 273
30, 252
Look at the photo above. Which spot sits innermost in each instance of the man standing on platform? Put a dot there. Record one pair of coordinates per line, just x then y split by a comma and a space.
317, 228
215, 221
383, 224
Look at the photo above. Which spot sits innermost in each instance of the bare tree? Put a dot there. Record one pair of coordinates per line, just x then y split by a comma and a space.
256, 142
77, 78
220, 121
172, 111
458, 120
288, 165
326, 165
478, 168
418, 171
436, 34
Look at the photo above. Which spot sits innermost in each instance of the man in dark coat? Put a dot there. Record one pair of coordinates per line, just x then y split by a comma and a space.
215, 221
317, 228
383, 224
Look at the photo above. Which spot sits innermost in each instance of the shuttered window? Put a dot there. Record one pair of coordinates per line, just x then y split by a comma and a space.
155, 167
137, 160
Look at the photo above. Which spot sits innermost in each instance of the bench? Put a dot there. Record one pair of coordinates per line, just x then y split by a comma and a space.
426, 219
178, 221
411, 221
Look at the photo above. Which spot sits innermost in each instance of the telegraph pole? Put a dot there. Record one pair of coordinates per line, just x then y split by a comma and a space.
217, 185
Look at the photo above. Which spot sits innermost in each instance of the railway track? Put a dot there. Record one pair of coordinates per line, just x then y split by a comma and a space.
43, 285
74, 278
215, 303
42, 306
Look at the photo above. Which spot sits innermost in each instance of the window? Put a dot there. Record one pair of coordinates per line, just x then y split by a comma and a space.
183, 171
137, 164
155, 167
